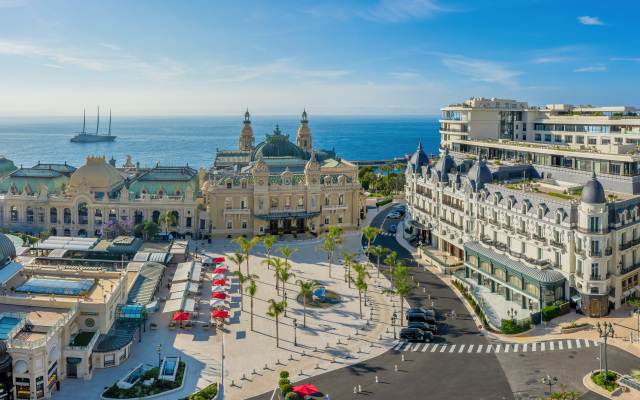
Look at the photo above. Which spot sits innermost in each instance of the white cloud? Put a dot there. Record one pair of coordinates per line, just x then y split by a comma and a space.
110, 46
281, 67
481, 70
402, 10
547, 60
590, 21
404, 75
53, 66
590, 69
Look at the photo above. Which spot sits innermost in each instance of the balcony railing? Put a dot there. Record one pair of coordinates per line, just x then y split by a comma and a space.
451, 223
593, 231
580, 274
494, 223
556, 244
608, 251
508, 227
580, 251
452, 205
594, 253
630, 268
482, 218
624, 246
539, 238
522, 232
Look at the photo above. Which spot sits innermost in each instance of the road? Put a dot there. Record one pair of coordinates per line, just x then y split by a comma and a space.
461, 363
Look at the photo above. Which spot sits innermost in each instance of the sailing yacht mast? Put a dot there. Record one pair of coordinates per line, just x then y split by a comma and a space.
84, 120
97, 126
109, 122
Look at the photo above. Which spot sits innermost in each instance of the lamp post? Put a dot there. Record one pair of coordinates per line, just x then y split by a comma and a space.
550, 381
159, 355
285, 304
393, 322
637, 312
445, 260
605, 332
295, 327
513, 314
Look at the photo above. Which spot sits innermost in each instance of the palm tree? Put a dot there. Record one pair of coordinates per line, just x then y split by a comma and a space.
306, 288
252, 289
167, 220
268, 241
275, 309
241, 280
360, 282
378, 251
287, 252
370, 233
403, 288
334, 237
390, 260
246, 246
329, 248
237, 258
348, 259
285, 275
401, 270
277, 264
398, 167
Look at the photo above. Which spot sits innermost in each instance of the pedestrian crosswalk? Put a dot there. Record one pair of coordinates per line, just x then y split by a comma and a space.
450, 348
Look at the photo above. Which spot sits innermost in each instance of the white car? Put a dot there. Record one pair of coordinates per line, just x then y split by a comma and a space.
393, 215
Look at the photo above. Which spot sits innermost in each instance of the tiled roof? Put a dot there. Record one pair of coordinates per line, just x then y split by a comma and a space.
172, 180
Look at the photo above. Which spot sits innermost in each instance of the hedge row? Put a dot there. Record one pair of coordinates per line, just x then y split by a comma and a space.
384, 202
550, 312
511, 328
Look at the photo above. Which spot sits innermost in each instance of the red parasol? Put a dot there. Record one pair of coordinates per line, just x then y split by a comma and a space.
180, 316
219, 271
304, 390
219, 296
219, 282
218, 259
219, 314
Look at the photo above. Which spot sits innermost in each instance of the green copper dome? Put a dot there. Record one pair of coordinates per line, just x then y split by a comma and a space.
277, 145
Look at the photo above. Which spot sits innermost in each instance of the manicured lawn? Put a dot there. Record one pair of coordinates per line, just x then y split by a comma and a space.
83, 339
139, 390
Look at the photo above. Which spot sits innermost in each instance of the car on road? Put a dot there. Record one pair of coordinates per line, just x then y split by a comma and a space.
393, 229
425, 327
421, 317
393, 215
429, 312
408, 334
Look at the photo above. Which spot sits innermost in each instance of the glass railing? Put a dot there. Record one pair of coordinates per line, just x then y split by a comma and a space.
30, 344
463, 119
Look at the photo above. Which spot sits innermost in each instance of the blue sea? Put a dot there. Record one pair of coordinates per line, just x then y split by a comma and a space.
193, 140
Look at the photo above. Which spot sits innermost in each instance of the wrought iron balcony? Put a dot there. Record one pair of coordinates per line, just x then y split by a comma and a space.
593, 253
608, 251
556, 244
624, 246
580, 251
539, 238
579, 274
630, 268
508, 227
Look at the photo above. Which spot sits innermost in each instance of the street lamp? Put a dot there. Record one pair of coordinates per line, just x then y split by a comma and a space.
285, 304
159, 353
637, 312
295, 327
445, 260
605, 332
513, 314
548, 380
393, 322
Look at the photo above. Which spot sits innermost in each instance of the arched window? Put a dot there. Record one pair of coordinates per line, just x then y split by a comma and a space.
137, 217
54, 232
83, 213
177, 215
67, 232
14, 213
155, 216
160, 192
177, 192
29, 214
112, 215
53, 216
98, 217
67, 216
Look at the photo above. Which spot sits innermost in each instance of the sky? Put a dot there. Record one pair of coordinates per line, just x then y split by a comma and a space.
342, 57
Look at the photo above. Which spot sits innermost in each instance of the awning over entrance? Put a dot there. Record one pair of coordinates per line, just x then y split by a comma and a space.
418, 225
287, 215
73, 360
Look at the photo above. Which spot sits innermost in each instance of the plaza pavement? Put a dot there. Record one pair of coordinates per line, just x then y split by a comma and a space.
246, 350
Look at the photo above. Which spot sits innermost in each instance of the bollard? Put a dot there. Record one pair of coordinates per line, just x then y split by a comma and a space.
403, 358
333, 360
327, 346
339, 341
356, 332
367, 322
265, 366
396, 367
380, 337
290, 357
303, 353
359, 388
354, 389
233, 383
278, 362
244, 377
363, 327
254, 371
371, 344
317, 366
387, 330
359, 350
301, 372
349, 338
376, 378
424, 290
315, 349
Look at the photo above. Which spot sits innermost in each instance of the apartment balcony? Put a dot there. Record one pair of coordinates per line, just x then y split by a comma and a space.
494, 223
556, 244
524, 233
453, 224
579, 274
508, 227
539, 238
460, 119
482, 218
600, 277
630, 268
635, 242
580, 252
452, 205
593, 253
334, 207
537, 262
608, 251
625, 246
593, 231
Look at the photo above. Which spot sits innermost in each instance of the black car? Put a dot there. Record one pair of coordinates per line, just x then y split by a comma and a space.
421, 317
429, 312
425, 327
409, 334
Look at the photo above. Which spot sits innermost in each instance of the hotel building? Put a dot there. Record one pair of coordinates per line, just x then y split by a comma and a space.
534, 206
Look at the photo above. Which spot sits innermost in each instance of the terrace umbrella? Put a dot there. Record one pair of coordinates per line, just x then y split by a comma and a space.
219, 314
216, 303
218, 276
219, 296
218, 259
304, 390
219, 271
180, 316
219, 282
218, 289
221, 266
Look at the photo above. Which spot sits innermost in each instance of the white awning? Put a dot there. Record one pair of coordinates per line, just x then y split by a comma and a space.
20, 367
178, 287
221, 266
218, 289
612, 299
193, 287
638, 288
207, 261
54, 354
626, 293
216, 302
195, 273
177, 295
631, 290
218, 276
57, 253
189, 305
576, 298
9, 271
183, 271
172, 306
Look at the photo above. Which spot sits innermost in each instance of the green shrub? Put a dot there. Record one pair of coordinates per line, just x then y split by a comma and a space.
285, 389
283, 381
550, 312
609, 384
384, 202
284, 374
510, 328
291, 396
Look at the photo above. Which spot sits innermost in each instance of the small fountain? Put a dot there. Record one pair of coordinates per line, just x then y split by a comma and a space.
169, 368
319, 295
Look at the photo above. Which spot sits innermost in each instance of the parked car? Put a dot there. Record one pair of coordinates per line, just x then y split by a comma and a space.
409, 334
429, 312
393, 229
425, 327
393, 215
421, 317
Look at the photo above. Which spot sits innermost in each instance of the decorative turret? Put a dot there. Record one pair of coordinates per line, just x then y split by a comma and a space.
593, 192
418, 159
444, 166
303, 140
312, 170
246, 139
480, 174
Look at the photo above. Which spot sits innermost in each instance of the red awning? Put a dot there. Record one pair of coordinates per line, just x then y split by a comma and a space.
304, 390
180, 316
219, 282
219, 314
219, 271
219, 296
218, 259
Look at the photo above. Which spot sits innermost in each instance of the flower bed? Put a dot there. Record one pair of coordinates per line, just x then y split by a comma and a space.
473, 304
573, 327
608, 384
140, 390
208, 393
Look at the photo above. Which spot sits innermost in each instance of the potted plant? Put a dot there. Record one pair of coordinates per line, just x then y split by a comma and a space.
96, 279
267, 232
220, 323
172, 326
206, 327
188, 326
280, 230
13, 289
153, 326
29, 275
84, 294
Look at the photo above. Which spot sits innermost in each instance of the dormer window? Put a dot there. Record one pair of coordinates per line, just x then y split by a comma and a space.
509, 204
177, 192
160, 192
540, 213
524, 208
229, 185
244, 185
558, 218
